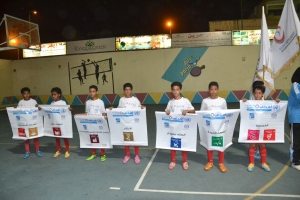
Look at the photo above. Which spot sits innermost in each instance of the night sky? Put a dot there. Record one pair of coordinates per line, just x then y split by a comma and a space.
65, 20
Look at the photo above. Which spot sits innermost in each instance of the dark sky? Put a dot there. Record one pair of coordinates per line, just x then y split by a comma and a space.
64, 20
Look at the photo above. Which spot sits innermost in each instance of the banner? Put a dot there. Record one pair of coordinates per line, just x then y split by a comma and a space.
216, 128
201, 39
128, 126
57, 121
91, 46
93, 131
262, 121
176, 132
26, 123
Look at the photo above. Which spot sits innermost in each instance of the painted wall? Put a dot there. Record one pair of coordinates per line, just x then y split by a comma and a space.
5, 78
232, 66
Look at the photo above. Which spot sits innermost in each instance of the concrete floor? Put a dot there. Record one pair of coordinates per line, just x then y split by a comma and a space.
49, 178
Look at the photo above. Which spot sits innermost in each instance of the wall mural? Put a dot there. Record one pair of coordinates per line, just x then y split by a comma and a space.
90, 71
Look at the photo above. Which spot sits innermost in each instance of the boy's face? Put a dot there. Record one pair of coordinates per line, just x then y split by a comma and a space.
213, 91
26, 95
93, 92
128, 92
258, 94
55, 96
176, 91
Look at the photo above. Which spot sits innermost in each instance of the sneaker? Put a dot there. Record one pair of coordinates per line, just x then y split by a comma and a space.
223, 168
208, 166
56, 154
137, 159
126, 159
103, 158
67, 154
172, 165
26, 155
297, 167
91, 157
39, 154
266, 167
250, 167
185, 165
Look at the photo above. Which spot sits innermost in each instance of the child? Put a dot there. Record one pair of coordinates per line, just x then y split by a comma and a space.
129, 101
178, 105
27, 101
57, 101
294, 119
258, 93
95, 106
214, 102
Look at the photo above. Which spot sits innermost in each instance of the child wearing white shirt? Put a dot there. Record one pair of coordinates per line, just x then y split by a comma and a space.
95, 106
178, 105
214, 102
129, 101
28, 102
56, 94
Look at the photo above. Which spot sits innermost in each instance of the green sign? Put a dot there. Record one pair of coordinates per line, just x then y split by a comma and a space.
217, 141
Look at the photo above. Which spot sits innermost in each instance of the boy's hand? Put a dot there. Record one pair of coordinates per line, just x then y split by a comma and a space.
39, 107
277, 100
110, 108
104, 114
167, 112
70, 109
244, 100
142, 107
184, 112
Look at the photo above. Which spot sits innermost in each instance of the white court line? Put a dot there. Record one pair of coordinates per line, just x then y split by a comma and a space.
114, 188
138, 184
140, 181
218, 193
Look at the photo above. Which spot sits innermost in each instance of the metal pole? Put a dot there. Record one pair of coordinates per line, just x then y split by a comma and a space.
70, 86
112, 75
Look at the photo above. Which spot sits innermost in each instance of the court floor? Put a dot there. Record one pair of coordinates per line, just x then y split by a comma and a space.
76, 178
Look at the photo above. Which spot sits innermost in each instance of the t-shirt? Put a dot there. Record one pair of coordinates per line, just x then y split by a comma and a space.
176, 106
58, 103
27, 103
131, 102
213, 104
94, 107
294, 104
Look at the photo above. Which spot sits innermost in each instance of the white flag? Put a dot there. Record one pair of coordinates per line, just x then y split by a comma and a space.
264, 68
26, 123
128, 126
176, 132
262, 121
216, 128
285, 46
93, 131
57, 121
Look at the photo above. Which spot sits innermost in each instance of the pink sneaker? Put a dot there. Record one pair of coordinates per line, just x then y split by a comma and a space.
137, 159
126, 159
172, 165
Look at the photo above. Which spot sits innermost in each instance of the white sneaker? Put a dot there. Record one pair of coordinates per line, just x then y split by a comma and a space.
297, 167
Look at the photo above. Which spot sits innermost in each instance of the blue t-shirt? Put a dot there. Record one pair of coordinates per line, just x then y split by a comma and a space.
294, 104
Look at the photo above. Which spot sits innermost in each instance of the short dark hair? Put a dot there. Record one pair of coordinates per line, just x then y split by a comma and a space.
57, 90
127, 85
258, 82
262, 88
176, 83
213, 83
296, 76
25, 89
93, 87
